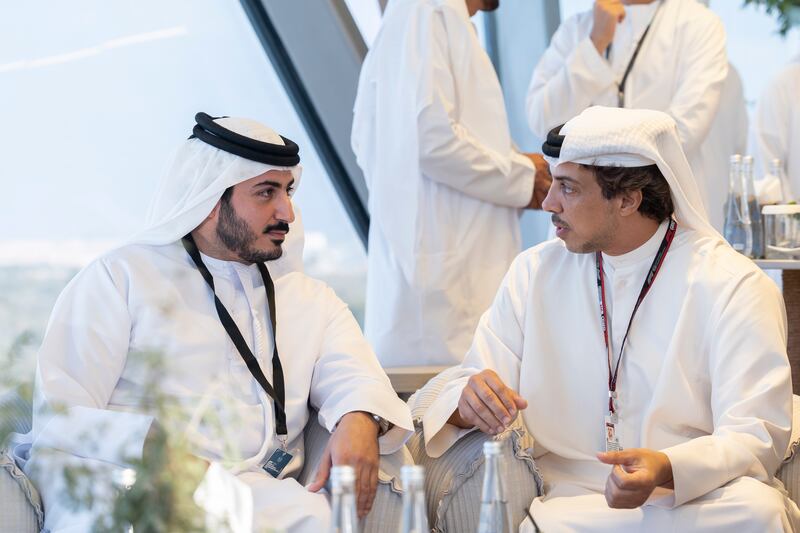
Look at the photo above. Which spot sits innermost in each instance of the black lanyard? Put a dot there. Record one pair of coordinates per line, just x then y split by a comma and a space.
601, 296
621, 86
278, 393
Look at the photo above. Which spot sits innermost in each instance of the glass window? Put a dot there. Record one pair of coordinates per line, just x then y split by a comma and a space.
755, 47
102, 94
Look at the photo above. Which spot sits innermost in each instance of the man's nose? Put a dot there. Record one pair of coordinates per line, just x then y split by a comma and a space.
286, 210
550, 203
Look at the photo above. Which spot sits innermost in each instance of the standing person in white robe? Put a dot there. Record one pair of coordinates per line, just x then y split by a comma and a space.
681, 68
702, 394
229, 190
446, 183
776, 128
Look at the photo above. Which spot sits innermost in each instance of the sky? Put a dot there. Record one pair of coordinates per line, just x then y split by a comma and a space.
95, 97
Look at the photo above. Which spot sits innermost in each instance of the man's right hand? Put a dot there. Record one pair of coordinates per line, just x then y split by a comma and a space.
607, 14
487, 403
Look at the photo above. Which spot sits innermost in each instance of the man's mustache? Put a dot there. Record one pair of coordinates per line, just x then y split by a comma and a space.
280, 226
555, 219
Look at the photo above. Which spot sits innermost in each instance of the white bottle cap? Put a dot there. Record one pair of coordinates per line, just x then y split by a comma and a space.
412, 474
343, 475
492, 447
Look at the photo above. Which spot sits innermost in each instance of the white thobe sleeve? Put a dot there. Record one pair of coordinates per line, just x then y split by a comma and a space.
79, 363
347, 377
703, 68
751, 396
566, 80
497, 345
448, 152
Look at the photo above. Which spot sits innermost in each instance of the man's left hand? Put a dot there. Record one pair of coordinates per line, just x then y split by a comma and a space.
541, 181
354, 442
636, 473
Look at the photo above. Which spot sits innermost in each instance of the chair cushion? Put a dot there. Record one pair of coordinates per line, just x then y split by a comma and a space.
789, 471
16, 413
794, 440
22, 506
454, 481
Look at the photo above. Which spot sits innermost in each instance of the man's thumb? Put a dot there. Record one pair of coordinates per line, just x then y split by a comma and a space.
322, 474
615, 458
520, 402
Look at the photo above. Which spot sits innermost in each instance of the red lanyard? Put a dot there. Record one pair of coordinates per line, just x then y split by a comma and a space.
601, 296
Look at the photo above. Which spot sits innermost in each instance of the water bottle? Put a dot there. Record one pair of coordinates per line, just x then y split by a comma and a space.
494, 517
776, 169
737, 230
753, 207
415, 513
343, 509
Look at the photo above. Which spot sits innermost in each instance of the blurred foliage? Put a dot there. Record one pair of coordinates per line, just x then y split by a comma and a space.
787, 11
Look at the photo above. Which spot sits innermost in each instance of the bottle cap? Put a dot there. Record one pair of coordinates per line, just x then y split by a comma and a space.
343, 475
412, 474
492, 447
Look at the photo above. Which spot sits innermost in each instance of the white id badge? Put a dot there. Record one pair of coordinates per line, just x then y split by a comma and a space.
612, 441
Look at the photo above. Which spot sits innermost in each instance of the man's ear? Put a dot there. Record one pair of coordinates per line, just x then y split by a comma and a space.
214, 212
630, 202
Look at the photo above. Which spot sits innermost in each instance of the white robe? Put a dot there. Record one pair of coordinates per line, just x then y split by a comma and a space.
776, 125
681, 70
431, 134
705, 379
143, 299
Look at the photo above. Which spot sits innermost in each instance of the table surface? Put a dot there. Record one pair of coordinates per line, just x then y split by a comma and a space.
778, 264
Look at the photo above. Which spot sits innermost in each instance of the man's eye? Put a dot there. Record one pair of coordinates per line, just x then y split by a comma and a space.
566, 189
267, 193
289, 190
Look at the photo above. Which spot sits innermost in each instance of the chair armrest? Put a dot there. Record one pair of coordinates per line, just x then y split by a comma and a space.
454, 481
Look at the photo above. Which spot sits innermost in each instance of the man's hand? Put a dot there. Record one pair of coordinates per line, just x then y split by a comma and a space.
607, 14
354, 442
541, 181
636, 473
486, 403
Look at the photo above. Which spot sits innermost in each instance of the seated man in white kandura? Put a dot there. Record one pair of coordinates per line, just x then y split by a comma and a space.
243, 356
677, 416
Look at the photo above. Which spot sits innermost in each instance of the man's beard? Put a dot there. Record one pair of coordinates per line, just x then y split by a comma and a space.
490, 5
238, 238
601, 238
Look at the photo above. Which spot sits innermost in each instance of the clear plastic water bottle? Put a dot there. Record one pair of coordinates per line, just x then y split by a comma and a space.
737, 230
753, 207
495, 516
415, 513
343, 509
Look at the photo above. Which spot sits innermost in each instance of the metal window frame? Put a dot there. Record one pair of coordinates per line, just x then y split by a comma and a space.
343, 180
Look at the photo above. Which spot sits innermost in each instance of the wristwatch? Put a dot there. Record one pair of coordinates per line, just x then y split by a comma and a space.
383, 425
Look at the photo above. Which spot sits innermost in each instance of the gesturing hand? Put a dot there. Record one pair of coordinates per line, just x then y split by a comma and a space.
487, 403
607, 14
354, 442
636, 473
